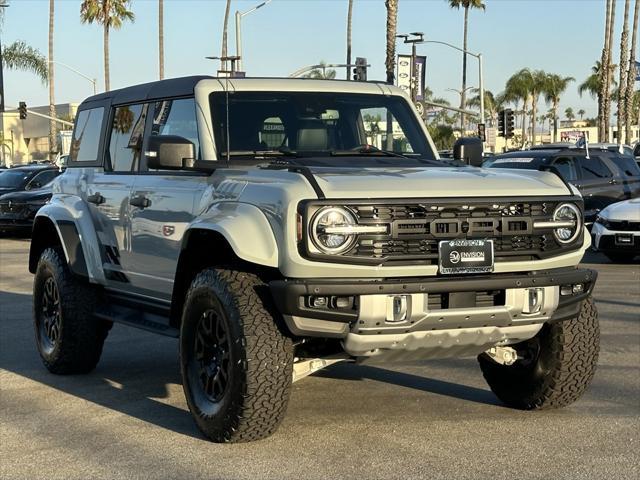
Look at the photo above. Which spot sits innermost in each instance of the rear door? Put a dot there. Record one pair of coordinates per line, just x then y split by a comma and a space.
165, 203
598, 184
629, 173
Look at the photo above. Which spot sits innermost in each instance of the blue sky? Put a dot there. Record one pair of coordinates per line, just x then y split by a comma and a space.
560, 36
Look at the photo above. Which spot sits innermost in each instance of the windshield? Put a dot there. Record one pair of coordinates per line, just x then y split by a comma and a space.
530, 163
13, 178
328, 126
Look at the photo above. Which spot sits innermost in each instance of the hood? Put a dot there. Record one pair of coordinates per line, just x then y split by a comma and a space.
626, 210
4, 190
436, 182
43, 194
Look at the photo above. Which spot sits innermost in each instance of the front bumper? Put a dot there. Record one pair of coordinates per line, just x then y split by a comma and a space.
461, 312
605, 240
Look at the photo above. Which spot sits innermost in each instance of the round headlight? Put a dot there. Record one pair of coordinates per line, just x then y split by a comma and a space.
570, 215
324, 222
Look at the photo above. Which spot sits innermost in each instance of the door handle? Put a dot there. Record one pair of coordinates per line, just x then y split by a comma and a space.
140, 201
613, 182
96, 199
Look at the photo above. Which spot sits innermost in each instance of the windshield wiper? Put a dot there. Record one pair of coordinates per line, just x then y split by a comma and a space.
366, 150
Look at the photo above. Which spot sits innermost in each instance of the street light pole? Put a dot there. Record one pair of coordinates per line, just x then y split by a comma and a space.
92, 80
238, 17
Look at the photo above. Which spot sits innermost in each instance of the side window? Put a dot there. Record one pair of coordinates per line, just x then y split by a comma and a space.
594, 167
375, 131
627, 165
127, 133
567, 168
86, 135
177, 117
41, 179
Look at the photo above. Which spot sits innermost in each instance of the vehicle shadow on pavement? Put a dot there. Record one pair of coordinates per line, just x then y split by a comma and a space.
132, 378
407, 380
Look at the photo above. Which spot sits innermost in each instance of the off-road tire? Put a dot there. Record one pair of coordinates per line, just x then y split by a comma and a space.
259, 357
77, 344
561, 371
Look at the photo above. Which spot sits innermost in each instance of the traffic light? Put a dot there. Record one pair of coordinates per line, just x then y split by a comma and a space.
509, 123
502, 131
360, 72
22, 108
482, 132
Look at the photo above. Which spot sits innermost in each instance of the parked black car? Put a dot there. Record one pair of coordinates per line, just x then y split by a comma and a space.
27, 177
604, 178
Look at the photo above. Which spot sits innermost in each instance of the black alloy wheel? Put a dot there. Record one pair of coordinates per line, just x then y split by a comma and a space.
212, 355
50, 316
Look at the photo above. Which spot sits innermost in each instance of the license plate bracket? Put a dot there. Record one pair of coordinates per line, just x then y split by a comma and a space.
465, 256
624, 239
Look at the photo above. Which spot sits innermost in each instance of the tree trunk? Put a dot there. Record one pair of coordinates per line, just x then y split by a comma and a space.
107, 84
524, 121
624, 67
463, 95
161, 38
390, 62
608, 74
349, 16
631, 75
53, 131
604, 62
555, 120
225, 28
534, 107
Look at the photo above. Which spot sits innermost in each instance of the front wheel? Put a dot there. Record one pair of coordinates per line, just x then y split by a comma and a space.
554, 368
236, 363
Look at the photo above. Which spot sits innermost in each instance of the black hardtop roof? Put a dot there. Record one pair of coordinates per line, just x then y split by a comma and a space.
173, 87
527, 154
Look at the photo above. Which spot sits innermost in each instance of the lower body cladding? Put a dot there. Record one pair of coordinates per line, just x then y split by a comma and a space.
419, 318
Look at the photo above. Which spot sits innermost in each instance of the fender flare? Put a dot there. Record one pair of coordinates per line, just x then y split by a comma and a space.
79, 241
245, 227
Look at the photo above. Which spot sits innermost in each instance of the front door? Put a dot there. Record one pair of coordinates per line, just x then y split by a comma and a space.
598, 185
165, 203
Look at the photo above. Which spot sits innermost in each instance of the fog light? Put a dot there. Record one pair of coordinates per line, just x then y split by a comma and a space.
578, 288
319, 302
397, 308
534, 300
341, 302
566, 290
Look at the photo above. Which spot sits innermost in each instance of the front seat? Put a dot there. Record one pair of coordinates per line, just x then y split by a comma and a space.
312, 135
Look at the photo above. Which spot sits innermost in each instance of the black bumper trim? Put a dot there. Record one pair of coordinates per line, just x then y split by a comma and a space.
287, 293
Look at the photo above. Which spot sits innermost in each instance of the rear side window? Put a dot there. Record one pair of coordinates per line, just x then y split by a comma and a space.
127, 133
86, 135
567, 168
594, 167
627, 165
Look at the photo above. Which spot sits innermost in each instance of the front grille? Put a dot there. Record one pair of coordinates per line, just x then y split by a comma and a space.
623, 226
415, 229
12, 208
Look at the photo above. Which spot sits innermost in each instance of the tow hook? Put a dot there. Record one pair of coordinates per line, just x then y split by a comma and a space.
503, 355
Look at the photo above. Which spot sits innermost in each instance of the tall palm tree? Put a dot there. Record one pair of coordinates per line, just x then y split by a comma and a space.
225, 28
349, 17
390, 60
20, 56
624, 68
490, 103
516, 90
630, 92
53, 131
605, 83
553, 87
161, 39
581, 112
592, 84
110, 14
531, 84
467, 5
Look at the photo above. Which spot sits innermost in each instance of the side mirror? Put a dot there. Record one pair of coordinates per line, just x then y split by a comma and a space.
170, 152
469, 151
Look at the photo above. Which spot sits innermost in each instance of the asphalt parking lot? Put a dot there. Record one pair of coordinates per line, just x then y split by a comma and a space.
128, 419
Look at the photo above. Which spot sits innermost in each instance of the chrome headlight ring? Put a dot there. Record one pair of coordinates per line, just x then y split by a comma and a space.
569, 213
331, 230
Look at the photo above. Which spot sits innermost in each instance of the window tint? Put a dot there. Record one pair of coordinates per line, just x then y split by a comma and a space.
567, 168
43, 178
527, 163
177, 117
272, 135
594, 167
127, 133
627, 165
86, 135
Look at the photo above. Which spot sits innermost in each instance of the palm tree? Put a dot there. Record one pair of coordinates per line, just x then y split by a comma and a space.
20, 56
321, 73
624, 68
630, 92
390, 60
592, 85
581, 112
553, 87
161, 39
349, 17
568, 113
605, 81
490, 103
467, 5
516, 90
110, 14
53, 131
225, 27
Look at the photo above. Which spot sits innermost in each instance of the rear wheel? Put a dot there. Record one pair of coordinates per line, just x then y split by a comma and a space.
69, 339
554, 368
236, 363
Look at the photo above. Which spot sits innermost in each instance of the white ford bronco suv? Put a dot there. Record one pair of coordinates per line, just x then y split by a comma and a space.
277, 226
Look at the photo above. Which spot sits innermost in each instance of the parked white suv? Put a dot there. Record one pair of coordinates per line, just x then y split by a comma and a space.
276, 226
